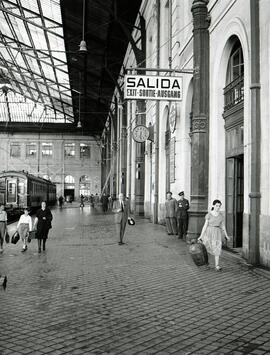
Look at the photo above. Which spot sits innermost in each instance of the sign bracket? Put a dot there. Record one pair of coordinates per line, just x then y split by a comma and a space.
164, 70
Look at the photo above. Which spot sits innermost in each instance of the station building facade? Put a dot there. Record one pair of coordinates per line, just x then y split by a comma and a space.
71, 161
213, 144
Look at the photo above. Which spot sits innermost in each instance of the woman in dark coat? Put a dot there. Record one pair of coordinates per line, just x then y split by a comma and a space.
42, 224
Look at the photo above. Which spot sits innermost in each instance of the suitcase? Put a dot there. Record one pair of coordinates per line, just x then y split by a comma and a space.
199, 254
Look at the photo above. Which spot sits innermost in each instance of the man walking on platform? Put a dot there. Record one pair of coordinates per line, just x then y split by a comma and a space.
170, 214
182, 215
121, 210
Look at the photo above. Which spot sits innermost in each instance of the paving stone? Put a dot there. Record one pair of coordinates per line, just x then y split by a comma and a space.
87, 295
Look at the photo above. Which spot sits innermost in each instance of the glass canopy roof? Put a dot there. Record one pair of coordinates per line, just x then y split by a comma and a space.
34, 80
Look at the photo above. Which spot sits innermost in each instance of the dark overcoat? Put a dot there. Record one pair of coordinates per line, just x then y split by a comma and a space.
44, 223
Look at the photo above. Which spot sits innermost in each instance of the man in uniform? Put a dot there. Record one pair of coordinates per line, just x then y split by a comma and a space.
182, 215
170, 214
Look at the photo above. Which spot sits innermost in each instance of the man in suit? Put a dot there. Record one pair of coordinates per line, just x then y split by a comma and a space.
121, 210
170, 214
182, 215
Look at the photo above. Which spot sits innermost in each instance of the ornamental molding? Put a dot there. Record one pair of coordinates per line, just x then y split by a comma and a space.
199, 124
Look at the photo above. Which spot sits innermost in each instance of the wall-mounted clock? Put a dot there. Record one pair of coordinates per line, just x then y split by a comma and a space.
140, 133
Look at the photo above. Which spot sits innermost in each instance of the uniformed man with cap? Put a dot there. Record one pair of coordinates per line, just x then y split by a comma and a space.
182, 215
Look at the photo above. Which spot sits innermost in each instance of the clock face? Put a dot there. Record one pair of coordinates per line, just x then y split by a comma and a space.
140, 133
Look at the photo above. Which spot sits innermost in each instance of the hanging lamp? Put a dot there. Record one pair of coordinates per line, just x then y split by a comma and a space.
82, 46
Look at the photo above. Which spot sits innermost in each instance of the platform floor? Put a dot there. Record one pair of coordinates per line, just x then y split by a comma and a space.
87, 295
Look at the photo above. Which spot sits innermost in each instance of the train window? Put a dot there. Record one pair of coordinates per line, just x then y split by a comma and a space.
47, 149
31, 150
69, 149
84, 150
21, 187
2, 184
15, 150
11, 192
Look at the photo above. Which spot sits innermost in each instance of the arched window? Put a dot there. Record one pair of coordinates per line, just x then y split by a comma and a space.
236, 62
234, 90
69, 179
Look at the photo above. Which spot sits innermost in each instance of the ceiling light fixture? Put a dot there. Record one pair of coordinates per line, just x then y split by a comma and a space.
82, 45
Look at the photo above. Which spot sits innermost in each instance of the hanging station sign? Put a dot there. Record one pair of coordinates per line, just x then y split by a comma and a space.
138, 87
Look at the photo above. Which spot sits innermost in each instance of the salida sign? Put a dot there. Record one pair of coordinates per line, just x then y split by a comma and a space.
139, 87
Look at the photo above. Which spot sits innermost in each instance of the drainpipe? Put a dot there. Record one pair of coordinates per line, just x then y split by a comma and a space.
255, 195
156, 205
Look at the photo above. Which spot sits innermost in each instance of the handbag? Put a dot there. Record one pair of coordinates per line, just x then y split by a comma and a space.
131, 221
15, 238
7, 238
32, 235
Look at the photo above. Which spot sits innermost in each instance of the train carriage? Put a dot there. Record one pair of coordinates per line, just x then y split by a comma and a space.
18, 190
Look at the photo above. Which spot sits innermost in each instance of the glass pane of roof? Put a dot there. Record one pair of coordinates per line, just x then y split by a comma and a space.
51, 9
30, 4
18, 57
5, 54
38, 37
5, 29
31, 69
54, 28
20, 30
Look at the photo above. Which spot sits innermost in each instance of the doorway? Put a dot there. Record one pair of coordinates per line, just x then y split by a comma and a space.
235, 198
69, 188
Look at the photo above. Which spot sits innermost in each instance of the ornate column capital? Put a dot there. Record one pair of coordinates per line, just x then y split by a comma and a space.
200, 13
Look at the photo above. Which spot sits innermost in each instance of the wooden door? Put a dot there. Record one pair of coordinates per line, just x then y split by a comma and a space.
230, 196
239, 200
234, 199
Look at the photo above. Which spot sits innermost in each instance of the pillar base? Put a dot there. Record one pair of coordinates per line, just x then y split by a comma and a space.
139, 205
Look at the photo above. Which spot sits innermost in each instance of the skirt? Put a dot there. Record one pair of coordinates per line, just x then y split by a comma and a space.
23, 230
212, 240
